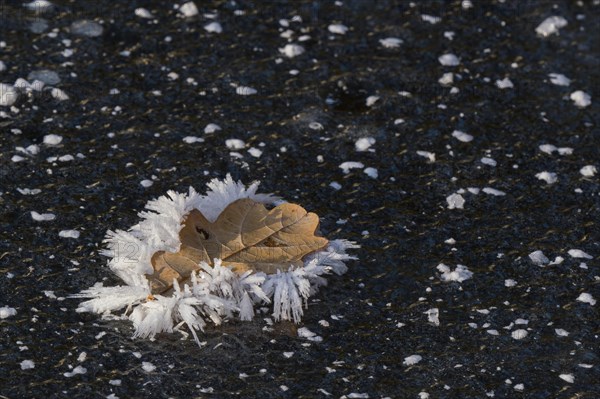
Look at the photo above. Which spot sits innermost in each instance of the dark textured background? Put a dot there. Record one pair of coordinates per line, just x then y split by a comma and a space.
404, 210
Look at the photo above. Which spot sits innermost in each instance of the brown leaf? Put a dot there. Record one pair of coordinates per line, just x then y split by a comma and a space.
246, 236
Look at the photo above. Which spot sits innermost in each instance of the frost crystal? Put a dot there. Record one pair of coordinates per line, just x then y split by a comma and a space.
212, 294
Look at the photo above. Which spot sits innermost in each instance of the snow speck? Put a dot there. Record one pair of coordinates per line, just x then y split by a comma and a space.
426, 154
211, 128
493, 191
193, 139
213, 27
509, 283
2, 66
8, 95
346, 166
292, 50
189, 9
364, 143
433, 316
255, 152
143, 13
519, 334
59, 94
245, 91
519, 387
567, 377
455, 201
431, 19
561, 333
447, 79
44, 75
488, 161
235, 144
391, 42
6, 312
335, 185
578, 253
148, 367
52, 139
43, 217
548, 177
550, 26
504, 84
338, 29
413, 359
27, 364
586, 298
581, 98
76, 370
371, 100
29, 191
371, 172
538, 258
146, 183
356, 395
448, 60
462, 136
288, 355
460, 274
69, 234
87, 28
304, 332
315, 126
559, 79
115, 383
588, 171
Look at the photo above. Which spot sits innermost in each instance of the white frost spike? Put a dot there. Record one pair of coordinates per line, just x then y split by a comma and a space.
246, 308
550, 26
107, 299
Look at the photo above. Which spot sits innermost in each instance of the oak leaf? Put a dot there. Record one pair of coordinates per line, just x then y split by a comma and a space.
245, 236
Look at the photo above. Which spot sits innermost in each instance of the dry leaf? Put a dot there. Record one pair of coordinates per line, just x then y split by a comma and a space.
246, 236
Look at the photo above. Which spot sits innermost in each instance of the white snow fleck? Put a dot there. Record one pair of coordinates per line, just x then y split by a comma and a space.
578, 253
559, 79
146, 183
448, 60
52, 139
66, 158
557, 261
76, 370
315, 126
561, 333
493, 332
235, 144
8, 95
588, 171
292, 50
462, 136
335, 185
581, 98
346, 166
288, 355
510, 282
489, 161
493, 191
460, 274
148, 367
550, 26
371, 100
548, 177
59, 94
17, 158
504, 84
355, 395
193, 139
6, 312
255, 152
519, 387
304, 332
447, 79
391, 42
43, 217
586, 298
426, 154
116, 383
433, 316
364, 143
189, 9
29, 191
413, 359
87, 28
455, 201
69, 234
567, 377
372, 172
547, 148
519, 334
211, 128
213, 27
338, 29
39, 6
245, 91
431, 19
2, 66
27, 364
538, 258
143, 13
